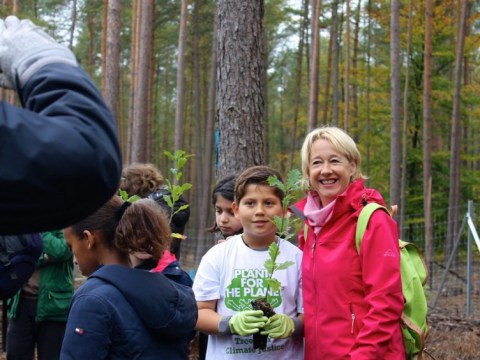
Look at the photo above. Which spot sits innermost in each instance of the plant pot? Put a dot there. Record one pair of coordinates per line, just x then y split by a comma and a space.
259, 340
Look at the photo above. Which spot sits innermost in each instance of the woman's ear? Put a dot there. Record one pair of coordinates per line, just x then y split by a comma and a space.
90, 239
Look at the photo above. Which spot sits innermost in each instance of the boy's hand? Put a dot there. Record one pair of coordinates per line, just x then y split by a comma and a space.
247, 322
279, 326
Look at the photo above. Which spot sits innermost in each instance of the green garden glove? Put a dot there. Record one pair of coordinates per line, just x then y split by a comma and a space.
279, 326
247, 322
24, 49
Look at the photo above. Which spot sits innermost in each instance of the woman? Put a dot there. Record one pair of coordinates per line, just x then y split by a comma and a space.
120, 312
353, 302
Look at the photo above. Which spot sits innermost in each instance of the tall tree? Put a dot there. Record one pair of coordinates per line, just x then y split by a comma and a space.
209, 143
355, 113
427, 131
455, 135
140, 111
403, 188
298, 80
111, 77
346, 111
314, 67
240, 85
182, 40
395, 99
335, 63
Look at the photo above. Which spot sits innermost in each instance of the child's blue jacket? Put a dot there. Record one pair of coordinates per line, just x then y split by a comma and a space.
124, 313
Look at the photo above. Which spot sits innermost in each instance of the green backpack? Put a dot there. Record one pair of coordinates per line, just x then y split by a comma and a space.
414, 276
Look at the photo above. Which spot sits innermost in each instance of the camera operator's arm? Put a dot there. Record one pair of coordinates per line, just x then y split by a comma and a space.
59, 156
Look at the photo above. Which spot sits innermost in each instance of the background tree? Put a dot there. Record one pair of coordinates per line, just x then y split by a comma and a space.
395, 144
454, 192
427, 132
314, 66
240, 85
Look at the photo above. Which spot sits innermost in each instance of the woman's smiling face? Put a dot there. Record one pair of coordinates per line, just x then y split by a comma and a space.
330, 172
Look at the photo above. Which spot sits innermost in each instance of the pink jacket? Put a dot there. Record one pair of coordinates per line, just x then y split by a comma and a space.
353, 303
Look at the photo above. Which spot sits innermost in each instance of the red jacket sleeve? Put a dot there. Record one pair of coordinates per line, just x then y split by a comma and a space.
380, 261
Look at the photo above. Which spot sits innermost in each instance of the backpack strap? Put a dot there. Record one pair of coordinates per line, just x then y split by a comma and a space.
363, 219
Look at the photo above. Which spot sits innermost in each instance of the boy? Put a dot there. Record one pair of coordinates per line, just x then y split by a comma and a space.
232, 274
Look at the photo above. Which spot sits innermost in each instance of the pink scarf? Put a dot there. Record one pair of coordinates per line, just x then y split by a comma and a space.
317, 215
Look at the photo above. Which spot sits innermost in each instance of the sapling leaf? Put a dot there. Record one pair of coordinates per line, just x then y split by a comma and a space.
168, 200
284, 265
269, 266
274, 284
123, 194
133, 198
186, 186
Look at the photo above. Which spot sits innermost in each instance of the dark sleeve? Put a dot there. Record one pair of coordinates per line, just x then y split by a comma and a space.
55, 248
88, 331
60, 156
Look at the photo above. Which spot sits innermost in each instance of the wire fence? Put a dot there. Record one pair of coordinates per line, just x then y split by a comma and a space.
454, 299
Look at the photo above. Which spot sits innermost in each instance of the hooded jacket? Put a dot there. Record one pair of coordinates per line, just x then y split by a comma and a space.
124, 313
59, 156
353, 302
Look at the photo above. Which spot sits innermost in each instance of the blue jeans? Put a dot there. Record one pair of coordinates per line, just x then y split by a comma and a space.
24, 333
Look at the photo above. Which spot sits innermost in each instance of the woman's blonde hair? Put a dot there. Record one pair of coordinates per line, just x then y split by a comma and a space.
342, 143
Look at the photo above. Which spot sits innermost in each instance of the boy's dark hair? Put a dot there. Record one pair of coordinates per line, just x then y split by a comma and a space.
257, 175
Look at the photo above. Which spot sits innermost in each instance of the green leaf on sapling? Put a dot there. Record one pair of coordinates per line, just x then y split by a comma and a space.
274, 284
284, 265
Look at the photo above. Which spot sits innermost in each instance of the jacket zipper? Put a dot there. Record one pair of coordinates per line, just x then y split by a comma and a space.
352, 314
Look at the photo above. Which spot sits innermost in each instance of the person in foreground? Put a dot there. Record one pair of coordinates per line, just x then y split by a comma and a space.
59, 154
120, 312
232, 274
353, 302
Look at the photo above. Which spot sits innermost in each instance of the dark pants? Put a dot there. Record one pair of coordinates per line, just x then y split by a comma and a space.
202, 345
24, 333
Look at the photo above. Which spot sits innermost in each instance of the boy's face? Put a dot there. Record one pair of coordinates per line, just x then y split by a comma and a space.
256, 211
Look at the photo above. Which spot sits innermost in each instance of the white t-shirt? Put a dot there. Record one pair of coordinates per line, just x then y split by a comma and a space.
234, 275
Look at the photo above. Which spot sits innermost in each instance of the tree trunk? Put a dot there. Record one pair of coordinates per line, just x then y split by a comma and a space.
314, 67
354, 123
403, 189
240, 85
346, 111
73, 25
140, 112
209, 147
182, 39
111, 77
199, 167
335, 63
395, 99
298, 82
455, 146
133, 77
427, 131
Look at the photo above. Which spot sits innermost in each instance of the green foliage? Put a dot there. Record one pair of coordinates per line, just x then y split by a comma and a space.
290, 189
271, 266
283, 224
179, 159
125, 197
